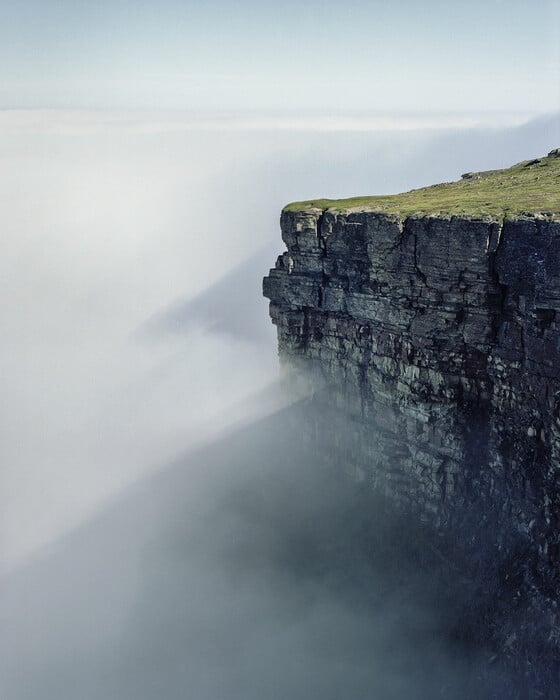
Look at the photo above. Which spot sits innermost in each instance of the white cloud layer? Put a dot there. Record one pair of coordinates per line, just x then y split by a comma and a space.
109, 220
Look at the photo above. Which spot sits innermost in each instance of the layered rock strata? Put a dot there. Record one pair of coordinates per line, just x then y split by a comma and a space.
435, 340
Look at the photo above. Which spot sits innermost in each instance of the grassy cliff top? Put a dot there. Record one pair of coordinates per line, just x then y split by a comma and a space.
531, 187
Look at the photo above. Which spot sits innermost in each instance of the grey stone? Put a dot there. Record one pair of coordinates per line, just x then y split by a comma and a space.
439, 339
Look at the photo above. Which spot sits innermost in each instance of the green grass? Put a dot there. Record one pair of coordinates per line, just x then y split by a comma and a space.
531, 187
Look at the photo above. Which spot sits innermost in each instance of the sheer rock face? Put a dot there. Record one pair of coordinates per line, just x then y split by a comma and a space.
437, 343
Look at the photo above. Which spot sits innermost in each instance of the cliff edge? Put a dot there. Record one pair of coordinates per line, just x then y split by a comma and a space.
429, 322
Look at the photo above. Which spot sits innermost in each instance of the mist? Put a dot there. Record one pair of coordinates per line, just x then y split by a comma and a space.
165, 530
247, 569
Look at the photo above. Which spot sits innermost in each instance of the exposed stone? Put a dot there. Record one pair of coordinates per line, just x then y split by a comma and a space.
437, 342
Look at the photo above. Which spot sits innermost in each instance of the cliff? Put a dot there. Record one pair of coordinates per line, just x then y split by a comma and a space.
429, 322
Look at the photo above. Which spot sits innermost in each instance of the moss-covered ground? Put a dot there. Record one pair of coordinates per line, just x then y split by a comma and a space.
531, 187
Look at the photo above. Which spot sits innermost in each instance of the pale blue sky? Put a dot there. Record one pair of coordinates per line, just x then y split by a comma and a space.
376, 54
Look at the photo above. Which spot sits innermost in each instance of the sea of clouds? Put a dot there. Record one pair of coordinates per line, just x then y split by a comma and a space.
133, 335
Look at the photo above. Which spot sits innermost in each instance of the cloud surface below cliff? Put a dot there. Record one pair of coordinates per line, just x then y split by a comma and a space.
111, 227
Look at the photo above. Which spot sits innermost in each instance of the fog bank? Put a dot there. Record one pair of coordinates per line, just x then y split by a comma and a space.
132, 253
246, 570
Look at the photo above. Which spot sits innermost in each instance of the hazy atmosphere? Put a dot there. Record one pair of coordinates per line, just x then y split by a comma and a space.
162, 534
485, 54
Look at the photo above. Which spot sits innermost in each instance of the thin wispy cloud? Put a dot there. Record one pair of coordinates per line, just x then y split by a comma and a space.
84, 121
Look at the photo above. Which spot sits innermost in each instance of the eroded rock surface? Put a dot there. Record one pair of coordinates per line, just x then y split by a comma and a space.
436, 340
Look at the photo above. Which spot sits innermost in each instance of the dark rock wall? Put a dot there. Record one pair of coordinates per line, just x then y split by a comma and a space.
437, 343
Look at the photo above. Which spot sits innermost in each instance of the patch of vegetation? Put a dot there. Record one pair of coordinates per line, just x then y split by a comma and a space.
531, 187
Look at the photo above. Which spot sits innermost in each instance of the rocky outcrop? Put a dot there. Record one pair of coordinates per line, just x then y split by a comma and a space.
435, 341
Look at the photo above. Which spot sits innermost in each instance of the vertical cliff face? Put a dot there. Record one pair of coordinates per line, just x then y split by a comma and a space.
439, 333
436, 335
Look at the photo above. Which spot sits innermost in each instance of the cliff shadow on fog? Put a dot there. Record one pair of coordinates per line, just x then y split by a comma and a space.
249, 570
